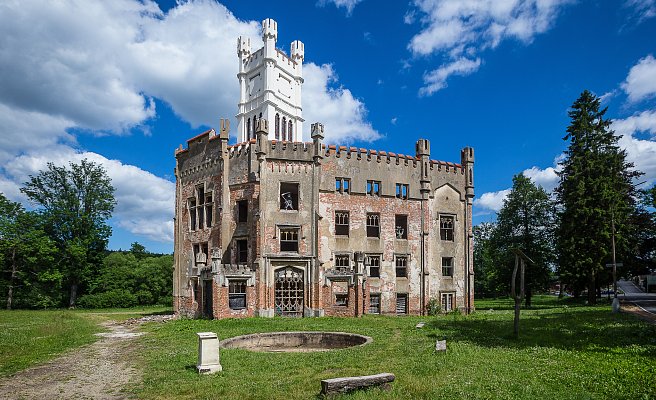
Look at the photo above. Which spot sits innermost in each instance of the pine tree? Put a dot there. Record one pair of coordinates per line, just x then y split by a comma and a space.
595, 191
526, 222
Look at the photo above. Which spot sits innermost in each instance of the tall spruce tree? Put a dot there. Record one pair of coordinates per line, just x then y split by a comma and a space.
595, 193
526, 222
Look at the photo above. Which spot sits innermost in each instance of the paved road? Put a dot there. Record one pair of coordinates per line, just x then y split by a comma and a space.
632, 293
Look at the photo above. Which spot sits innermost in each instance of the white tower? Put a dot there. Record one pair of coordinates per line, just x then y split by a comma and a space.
270, 84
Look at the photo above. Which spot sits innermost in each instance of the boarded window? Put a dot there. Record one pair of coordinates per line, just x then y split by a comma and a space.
447, 302
242, 251
342, 223
289, 239
288, 196
447, 266
401, 266
237, 294
373, 225
374, 303
242, 211
401, 191
401, 303
401, 226
374, 266
446, 228
373, 188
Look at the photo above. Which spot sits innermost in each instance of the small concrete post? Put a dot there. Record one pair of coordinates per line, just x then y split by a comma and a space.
208, 353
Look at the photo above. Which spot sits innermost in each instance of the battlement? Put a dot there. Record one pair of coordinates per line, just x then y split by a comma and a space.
243, 47
298, 51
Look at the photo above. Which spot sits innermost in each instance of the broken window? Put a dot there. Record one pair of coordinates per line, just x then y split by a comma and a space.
401, 226
401, 191
401, 266
447, 266
242, 251
342, 223
374, 303
192, 214
200, 254
374, 266
242, 211
373, 225
200, 215
343, 185
401, 303
208, 209
288, 196
447, 302
289, 239
373, 188
237, 294
341, 299
446, 228
342, 263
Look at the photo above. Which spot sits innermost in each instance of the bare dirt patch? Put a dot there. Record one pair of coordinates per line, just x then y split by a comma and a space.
101, 370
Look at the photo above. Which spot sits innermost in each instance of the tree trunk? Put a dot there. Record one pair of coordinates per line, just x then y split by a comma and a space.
72, 299
12, 279
592, 292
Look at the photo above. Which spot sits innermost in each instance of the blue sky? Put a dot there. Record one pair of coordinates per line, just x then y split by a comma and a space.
123, 83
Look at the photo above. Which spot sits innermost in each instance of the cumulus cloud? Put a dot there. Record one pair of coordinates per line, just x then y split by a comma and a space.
641, 81
641, 152
77, 67
343, 115
349, 5
459, 30
491, 201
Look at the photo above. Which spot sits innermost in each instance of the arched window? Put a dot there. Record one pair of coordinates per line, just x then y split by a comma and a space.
277, 126
248, 129
289, 130
284, 124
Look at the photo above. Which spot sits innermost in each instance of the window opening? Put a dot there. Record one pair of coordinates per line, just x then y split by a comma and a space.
208, 209
277, 126
342, 263
192, 214
373, 225
200, 217
289, 130
284, 131
242, 251
446, 228
401, 266
248, 129
401, 226
200, 254
374, 266
242, 211
341, 299
401, 191
237, 294
373, 188
342, 223
447, 266
288, 196
289, 239
447, 302
401, 303
342, 185
374, 303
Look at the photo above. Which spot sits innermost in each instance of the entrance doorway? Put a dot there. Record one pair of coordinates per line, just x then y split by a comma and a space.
290, 292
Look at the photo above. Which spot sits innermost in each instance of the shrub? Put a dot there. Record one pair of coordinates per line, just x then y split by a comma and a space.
110, 299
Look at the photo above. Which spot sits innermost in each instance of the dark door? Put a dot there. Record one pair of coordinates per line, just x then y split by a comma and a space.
207, 299
290, 292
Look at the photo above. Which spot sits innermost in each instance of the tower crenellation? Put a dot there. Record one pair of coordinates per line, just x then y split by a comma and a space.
269, 30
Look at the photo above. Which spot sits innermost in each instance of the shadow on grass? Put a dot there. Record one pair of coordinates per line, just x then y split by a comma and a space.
587, 329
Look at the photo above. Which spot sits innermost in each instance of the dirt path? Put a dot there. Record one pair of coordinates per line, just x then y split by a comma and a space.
97, 371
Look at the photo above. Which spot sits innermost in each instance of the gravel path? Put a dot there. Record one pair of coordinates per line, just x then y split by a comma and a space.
97, 371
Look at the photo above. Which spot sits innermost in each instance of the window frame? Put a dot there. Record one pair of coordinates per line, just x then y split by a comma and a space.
403, 218
342, 219
450, 303
341, 266
376, 268
406, 307
403, 259
241, 253
295, 201
340, 299
377, 309
343, 185
448, 272
243, 285
242, 215
371, 217
402, 191
447, 233
283, 232
373, 187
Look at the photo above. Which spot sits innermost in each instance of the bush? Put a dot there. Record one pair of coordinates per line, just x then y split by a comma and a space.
433, 307
111, 299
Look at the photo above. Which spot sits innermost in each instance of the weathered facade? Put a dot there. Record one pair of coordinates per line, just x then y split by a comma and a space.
276, 226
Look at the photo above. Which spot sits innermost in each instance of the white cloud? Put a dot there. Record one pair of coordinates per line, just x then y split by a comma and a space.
547, 178
463, 28
644, 9
73, 66
343, 116
641, 81
349, 5
492, 201
436, 79
641, 152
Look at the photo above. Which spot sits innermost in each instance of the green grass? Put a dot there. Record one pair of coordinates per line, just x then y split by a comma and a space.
565, 351
33, 337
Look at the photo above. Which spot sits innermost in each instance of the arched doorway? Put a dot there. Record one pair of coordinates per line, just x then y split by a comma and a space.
290, 293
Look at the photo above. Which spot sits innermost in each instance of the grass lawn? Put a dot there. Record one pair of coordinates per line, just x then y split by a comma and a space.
30, 337
565, 351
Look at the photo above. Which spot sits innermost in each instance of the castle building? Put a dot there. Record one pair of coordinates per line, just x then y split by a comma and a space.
275, 226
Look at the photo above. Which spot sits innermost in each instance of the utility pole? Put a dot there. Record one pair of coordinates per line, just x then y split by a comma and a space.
616, 301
